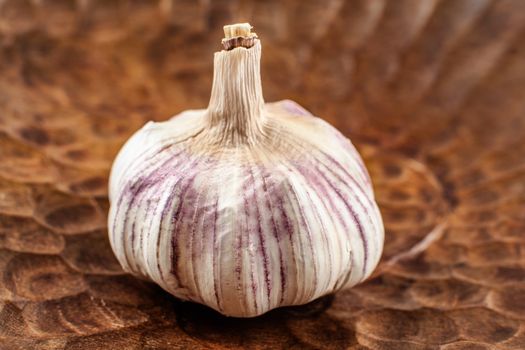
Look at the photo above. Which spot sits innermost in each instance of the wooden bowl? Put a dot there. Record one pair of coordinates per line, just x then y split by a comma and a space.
431, 92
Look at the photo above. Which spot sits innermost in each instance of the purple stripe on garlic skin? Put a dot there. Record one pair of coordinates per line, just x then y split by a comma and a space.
245, 206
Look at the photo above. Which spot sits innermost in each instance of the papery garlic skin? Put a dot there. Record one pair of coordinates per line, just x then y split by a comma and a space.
244, 206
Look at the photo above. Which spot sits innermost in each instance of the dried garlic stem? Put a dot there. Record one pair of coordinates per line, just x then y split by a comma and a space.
236, 105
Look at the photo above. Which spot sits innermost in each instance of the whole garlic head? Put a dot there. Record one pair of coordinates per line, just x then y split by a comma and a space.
244, 206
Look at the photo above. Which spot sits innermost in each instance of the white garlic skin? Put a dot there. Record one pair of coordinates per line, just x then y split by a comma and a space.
244, 227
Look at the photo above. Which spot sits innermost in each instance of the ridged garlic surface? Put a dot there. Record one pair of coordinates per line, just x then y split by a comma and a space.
244, 206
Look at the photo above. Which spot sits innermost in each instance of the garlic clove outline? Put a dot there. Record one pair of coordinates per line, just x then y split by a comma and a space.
244, 206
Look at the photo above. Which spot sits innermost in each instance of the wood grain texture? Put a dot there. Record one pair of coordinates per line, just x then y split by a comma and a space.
432, 93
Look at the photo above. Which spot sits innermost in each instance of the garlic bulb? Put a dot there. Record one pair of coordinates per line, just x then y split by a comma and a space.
244, 206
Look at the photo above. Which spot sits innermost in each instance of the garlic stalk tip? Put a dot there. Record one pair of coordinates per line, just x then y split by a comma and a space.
238, 35
239, 29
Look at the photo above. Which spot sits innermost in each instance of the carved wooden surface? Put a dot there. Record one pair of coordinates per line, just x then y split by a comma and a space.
431, 92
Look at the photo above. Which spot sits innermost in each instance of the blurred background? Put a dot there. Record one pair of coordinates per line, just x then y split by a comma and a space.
432, 92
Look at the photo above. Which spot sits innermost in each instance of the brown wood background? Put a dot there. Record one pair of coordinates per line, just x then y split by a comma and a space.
432, 93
